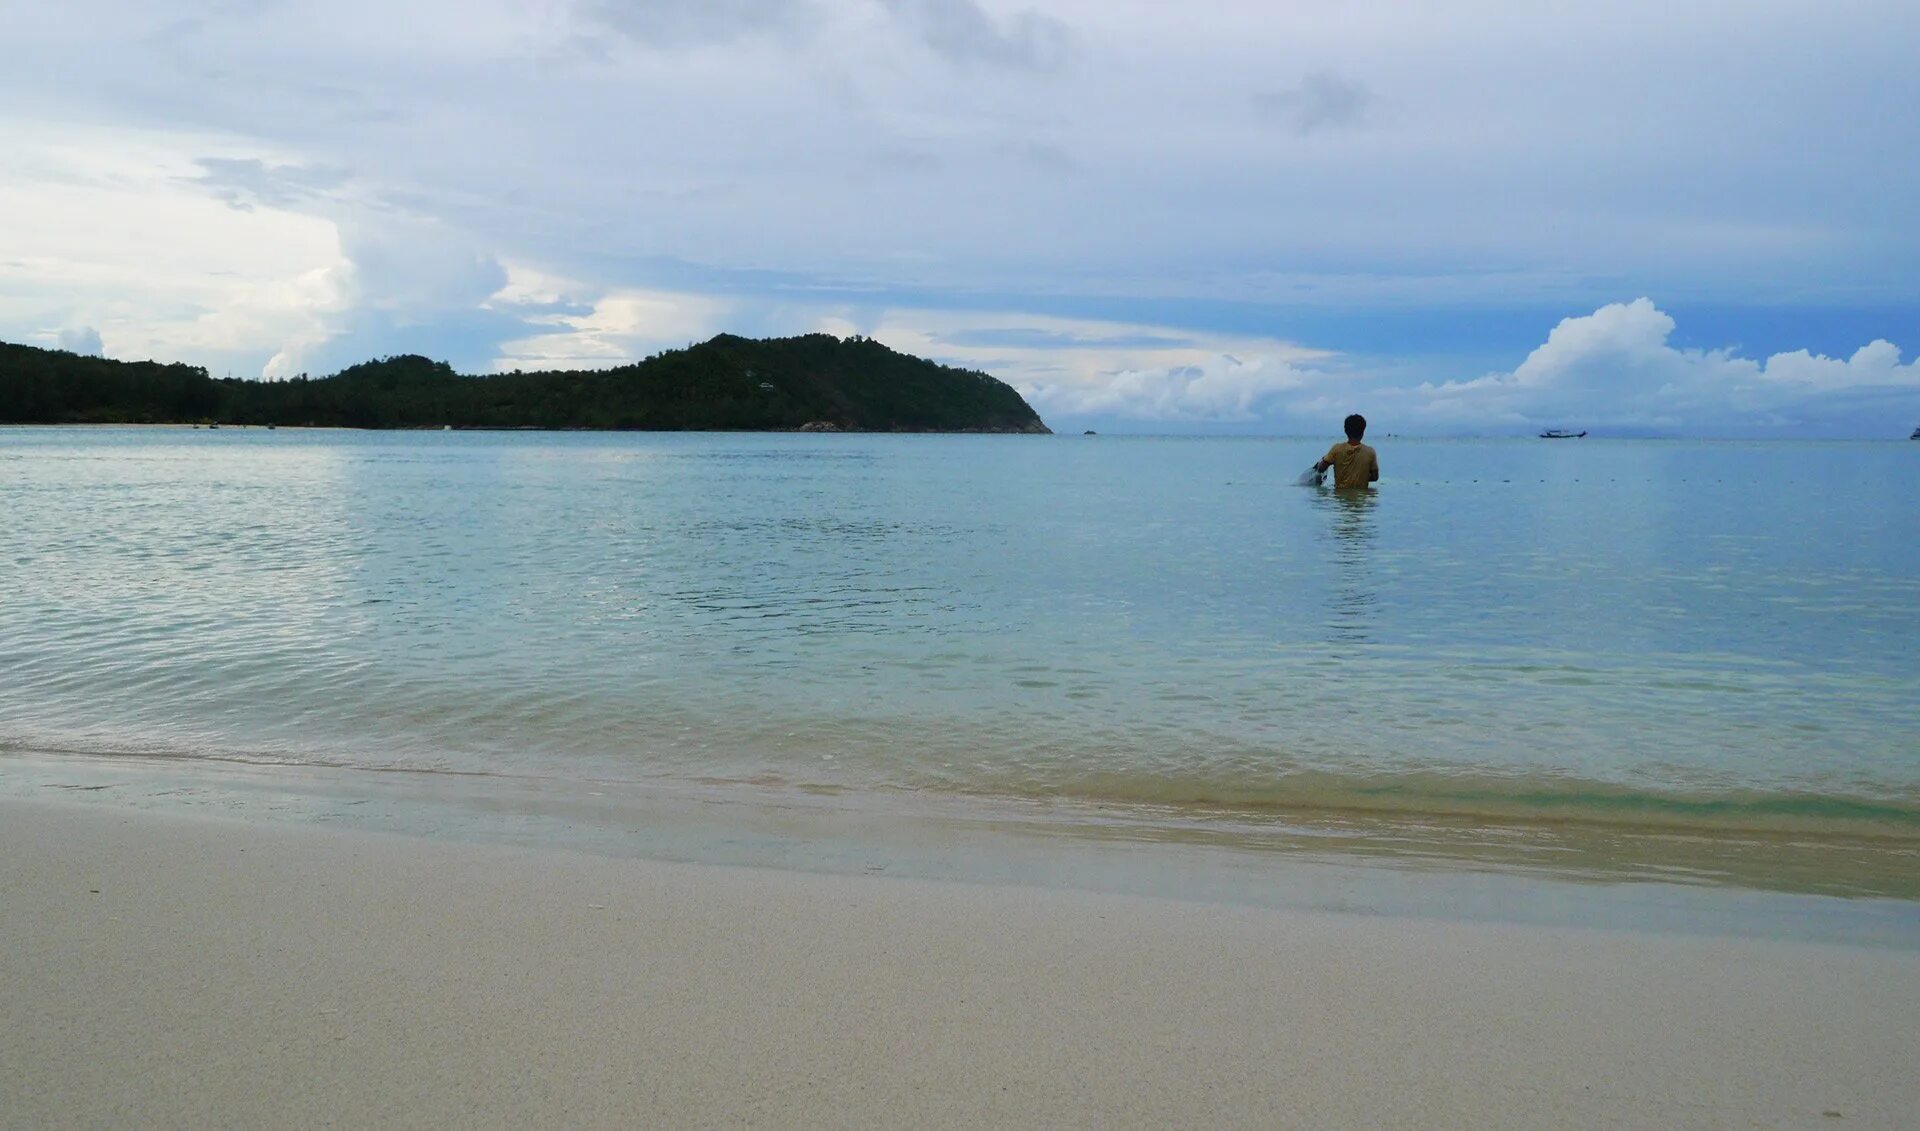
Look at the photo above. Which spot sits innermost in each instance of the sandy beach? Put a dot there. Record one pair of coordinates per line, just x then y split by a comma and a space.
175, 970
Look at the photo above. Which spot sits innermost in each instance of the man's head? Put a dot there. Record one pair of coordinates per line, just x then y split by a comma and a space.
1356, 427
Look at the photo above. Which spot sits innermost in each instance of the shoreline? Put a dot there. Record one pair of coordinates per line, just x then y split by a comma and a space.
171, 968
1670, 882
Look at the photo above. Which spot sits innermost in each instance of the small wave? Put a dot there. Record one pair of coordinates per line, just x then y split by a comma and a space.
1503, 800
1383, 797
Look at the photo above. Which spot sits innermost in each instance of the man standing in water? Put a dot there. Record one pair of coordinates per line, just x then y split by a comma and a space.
1354, 463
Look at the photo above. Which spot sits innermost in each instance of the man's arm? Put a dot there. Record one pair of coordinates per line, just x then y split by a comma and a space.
1373, 473
1326, 461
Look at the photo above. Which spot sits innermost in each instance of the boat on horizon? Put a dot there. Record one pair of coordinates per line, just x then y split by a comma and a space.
1563, 434
1916, 434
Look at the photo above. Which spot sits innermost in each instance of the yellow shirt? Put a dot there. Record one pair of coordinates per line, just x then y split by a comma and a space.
1354, 464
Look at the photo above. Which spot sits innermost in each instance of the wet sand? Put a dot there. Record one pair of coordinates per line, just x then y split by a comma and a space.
178, 970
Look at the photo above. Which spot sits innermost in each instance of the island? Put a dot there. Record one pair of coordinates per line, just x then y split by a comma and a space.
814, 382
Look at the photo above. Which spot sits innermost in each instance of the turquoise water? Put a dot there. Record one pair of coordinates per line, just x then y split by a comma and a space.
1707, 638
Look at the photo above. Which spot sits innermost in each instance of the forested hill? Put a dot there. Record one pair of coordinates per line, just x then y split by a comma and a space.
729, 383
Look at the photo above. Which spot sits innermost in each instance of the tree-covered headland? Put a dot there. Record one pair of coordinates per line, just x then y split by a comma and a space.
726, 384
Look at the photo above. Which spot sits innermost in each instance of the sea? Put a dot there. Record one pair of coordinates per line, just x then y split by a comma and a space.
1654, 665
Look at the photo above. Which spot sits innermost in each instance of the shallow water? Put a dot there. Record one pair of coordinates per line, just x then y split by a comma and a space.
1701, 639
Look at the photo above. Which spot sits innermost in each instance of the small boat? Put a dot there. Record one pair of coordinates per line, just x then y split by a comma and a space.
1561, 434
1916, 434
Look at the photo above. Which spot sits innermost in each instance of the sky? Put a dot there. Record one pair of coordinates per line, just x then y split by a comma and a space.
1477, 217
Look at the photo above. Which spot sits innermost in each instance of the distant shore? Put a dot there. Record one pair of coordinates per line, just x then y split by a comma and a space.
811, 383
163, 968
216, 426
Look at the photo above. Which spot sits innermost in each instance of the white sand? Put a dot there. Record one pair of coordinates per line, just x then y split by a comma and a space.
260, 974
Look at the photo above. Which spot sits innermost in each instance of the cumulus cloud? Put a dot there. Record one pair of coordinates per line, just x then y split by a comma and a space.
110, 229
574, 328
1614, 369
180, 247
406, 280
1874, 365
409, 284
1064, 366
1321, 101
1617, 367
84, 340
1076, 367
1220, 389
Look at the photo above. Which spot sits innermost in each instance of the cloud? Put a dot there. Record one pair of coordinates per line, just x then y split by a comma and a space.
1043, 156
670, 24
906, 159
962, 31
409, 284
1872, 366
1618, 368
179, 247
248, 182
751, 158
112, 230
1035, 337
575, 329
1220, 389
407, 281
1614, 369
290, 183
1076, 367
84, 340
1321, 101
1064, 366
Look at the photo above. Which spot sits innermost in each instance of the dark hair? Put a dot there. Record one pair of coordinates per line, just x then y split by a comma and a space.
1356, 427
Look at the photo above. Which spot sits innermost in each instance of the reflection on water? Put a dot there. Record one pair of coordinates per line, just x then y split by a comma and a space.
1352, 598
